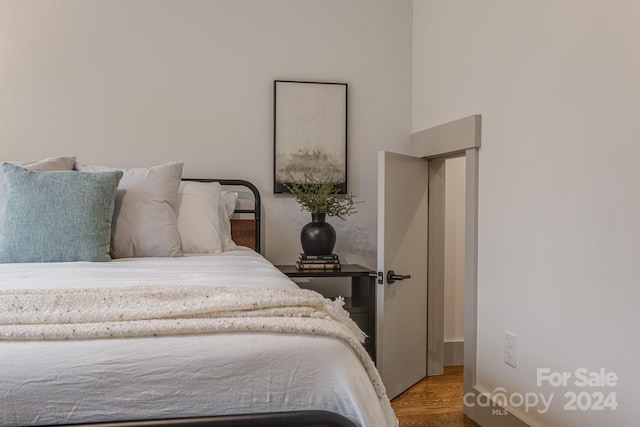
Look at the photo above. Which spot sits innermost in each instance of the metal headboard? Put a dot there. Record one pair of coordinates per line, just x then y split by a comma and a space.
257, 206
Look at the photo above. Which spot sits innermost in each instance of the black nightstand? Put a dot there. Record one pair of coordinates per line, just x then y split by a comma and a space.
362, 303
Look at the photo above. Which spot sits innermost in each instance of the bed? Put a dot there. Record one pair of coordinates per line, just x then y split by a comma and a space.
220, 338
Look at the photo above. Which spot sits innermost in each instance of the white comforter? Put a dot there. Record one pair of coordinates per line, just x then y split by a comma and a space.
241, 268
91, 380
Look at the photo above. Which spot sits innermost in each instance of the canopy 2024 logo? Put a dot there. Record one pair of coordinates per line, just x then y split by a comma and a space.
591, 400
597, 395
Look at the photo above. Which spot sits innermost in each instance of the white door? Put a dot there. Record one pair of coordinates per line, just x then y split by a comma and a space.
402, 247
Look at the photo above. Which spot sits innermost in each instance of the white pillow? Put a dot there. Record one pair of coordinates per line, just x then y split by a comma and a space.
144, 220
228, 199
48, 164
199, 220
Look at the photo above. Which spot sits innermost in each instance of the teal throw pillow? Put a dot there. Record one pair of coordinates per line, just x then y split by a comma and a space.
59, 216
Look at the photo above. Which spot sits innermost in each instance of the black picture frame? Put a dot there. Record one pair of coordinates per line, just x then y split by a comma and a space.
309, 133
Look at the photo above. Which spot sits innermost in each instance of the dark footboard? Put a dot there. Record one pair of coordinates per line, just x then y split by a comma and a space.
277, 419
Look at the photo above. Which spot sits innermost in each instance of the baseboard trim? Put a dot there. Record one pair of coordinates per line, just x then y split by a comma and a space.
490, 414
454, 353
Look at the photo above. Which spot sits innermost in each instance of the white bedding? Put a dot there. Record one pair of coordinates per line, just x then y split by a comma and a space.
55, 382
241, 267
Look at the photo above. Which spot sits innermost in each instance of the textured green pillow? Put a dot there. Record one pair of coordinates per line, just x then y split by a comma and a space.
57, 216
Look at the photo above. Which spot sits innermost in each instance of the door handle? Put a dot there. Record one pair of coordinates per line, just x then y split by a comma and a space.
392, 277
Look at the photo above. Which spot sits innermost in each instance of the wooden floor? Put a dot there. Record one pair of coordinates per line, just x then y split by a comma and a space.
434, 401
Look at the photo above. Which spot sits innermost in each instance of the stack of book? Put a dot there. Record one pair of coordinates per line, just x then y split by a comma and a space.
318, 262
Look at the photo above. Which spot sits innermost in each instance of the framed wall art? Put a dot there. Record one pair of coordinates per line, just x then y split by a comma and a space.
310, 133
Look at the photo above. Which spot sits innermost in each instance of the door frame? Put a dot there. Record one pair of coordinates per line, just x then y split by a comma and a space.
457, 138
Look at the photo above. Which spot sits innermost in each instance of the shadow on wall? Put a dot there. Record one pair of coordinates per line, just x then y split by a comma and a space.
354, 239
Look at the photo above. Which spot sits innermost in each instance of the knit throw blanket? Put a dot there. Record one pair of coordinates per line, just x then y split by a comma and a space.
144, 311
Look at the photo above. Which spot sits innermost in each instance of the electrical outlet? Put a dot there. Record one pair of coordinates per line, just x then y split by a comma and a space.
510, 346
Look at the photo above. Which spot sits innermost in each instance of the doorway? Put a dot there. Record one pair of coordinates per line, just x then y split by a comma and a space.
454, 238
411, 194
446, 262
459, 138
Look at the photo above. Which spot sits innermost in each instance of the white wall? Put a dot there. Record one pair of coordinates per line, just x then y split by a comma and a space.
559, 213
454, 250
141, 82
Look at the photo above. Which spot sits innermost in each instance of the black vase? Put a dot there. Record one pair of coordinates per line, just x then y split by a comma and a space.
318, 237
